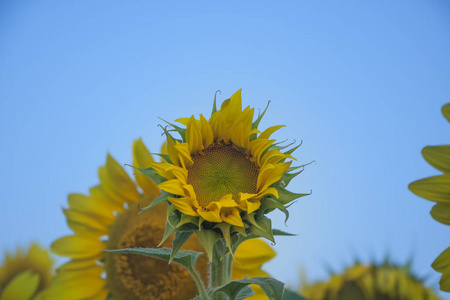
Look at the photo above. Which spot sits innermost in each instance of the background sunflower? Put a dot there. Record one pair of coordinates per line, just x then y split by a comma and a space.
24, 275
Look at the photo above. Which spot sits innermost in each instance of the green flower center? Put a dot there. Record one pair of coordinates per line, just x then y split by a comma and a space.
219, 170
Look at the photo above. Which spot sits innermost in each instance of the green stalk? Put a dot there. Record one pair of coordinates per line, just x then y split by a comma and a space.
200, 285
220, 274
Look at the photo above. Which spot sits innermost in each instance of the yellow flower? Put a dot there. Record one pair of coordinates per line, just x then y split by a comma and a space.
250, 256
370, 282
224, 171
109, 218
25, 275
437, 189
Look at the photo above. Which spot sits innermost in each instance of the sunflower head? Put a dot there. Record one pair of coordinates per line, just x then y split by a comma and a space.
221, 176
25, 274
384, 281
437, 189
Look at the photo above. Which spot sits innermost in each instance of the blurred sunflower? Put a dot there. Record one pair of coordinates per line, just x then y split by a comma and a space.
23, 276
109, 219
437, 189
370, 282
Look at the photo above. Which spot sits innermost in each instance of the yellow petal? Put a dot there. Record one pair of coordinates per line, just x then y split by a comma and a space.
257, 147
446, 111
268, 132
231, 216
21, 287
251, 254
442, 262
270, 174
142, 159
77, 247
184, 155
438, 157
100, 207
185, 205
441, 213
74, 288
172, 186
232, 108
211, 213
78, 264
102, 295
207, 132
117, 180
436, 188
100, 198
194, 136
85, 224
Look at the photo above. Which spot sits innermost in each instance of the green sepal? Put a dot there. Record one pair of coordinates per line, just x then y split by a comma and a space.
187, 219
286, 196
225, 228
251, 219
214, 109
264, 229
258, 120
185, 258
238, 229
273, 288
271, 203
290, 151
171, 224
208, 238
180, 238
290, 295
150, 172
181, 131
282, 233
158, 200
164, 156
279, 148
287, 177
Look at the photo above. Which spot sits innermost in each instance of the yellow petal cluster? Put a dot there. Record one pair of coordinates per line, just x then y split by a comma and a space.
370, 282
437, 189
229, 130
24, 276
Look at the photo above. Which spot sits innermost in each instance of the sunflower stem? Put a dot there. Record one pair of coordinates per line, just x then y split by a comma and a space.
200, 285
220, 273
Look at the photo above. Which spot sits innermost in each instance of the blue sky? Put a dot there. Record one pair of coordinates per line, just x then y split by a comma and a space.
360, 82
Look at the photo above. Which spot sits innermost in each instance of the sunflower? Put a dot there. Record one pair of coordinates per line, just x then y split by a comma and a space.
109, 218
370, 282
25, 275
223, 171
437, 189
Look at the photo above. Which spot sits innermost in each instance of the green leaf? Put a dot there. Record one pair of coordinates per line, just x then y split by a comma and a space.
273, 288
287, 177
164, 197
282, 233
180, 238
245, 293
214, 109
208, 238
171, 224
290, 295
185, 258
286, 196
264, 229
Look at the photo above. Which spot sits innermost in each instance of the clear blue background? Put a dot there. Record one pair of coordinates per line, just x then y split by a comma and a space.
360, 82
